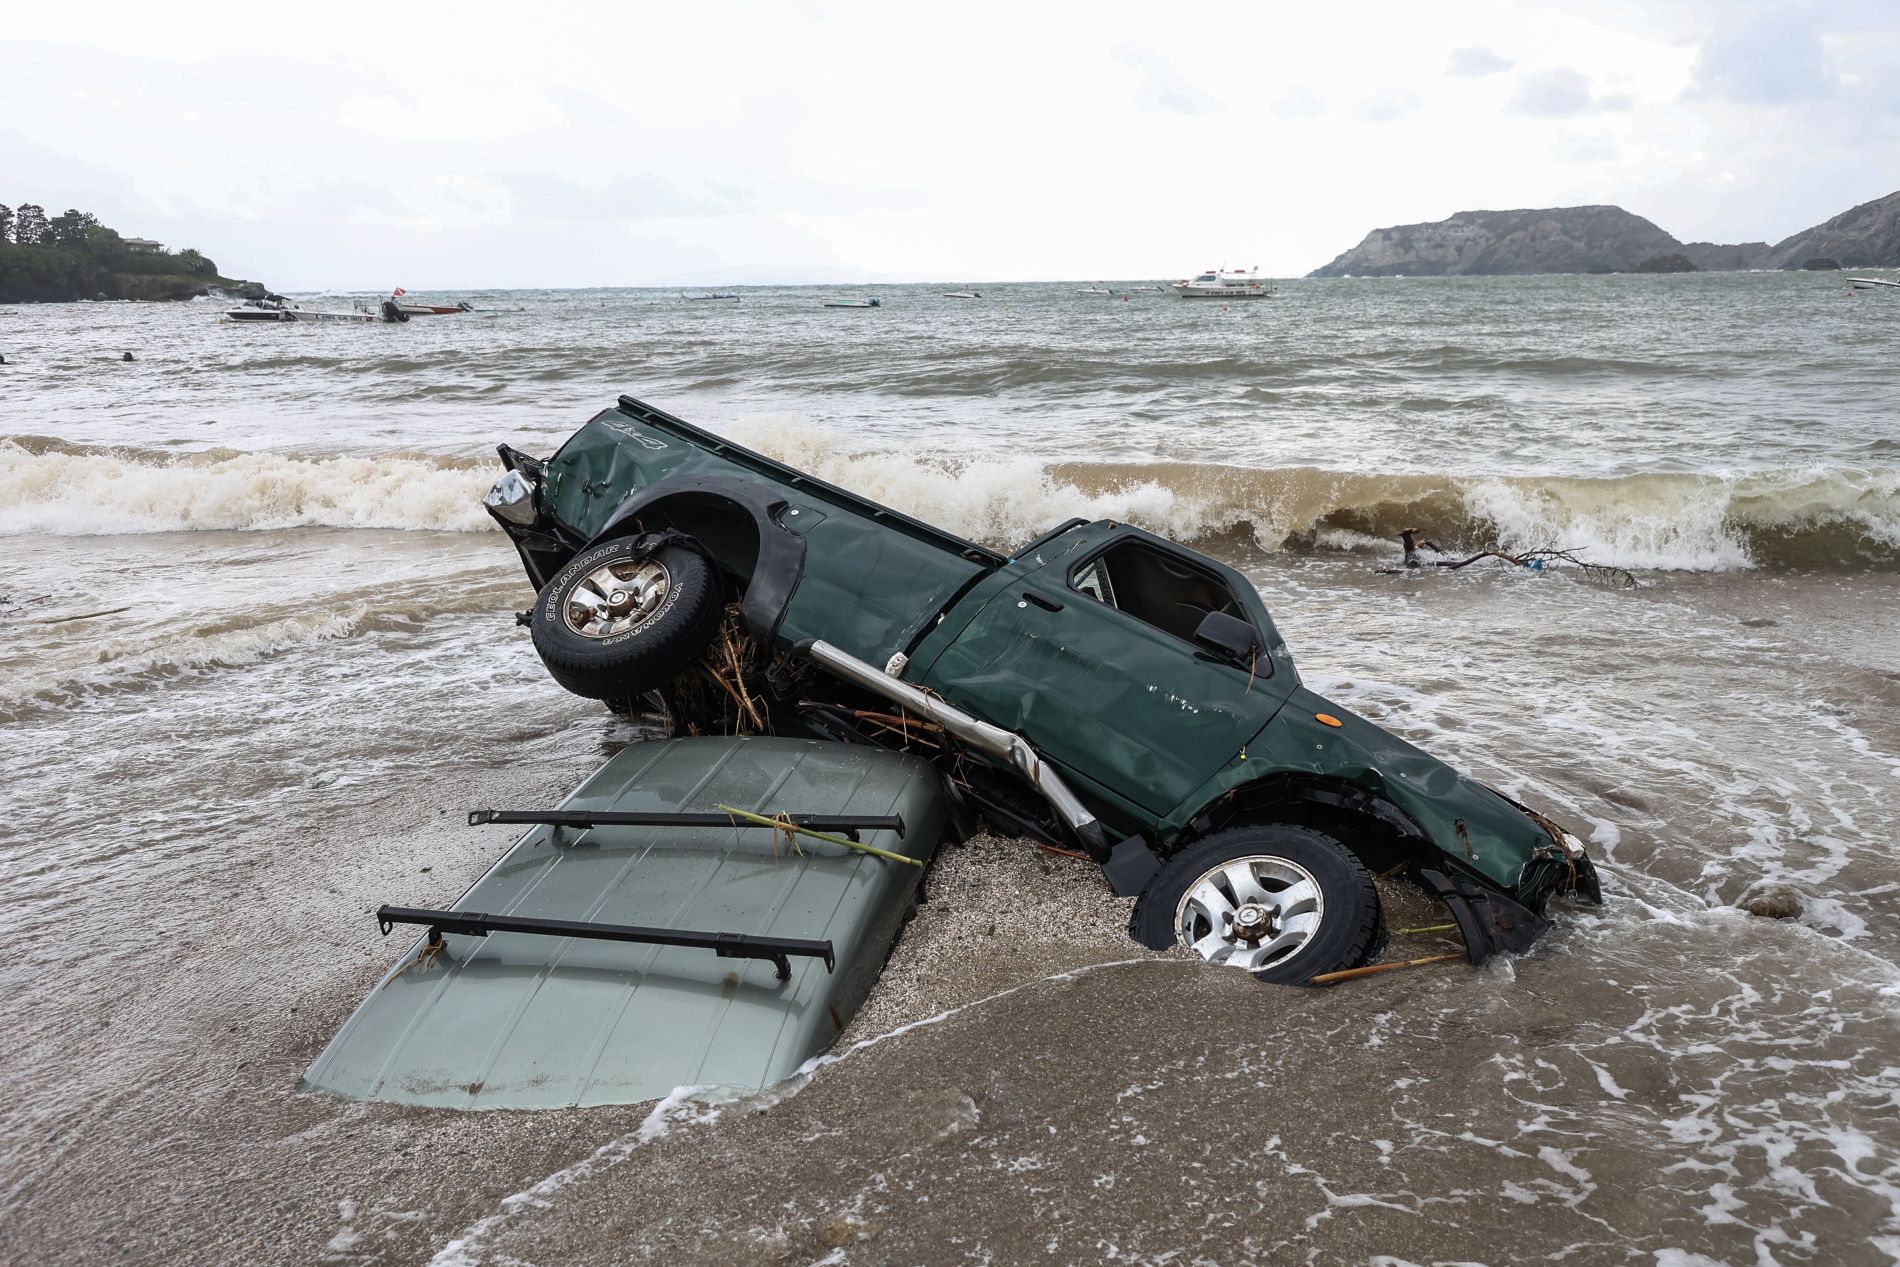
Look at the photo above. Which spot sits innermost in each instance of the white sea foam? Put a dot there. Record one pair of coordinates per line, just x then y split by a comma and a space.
115, 660
1663, 521
89, 493
1820, 516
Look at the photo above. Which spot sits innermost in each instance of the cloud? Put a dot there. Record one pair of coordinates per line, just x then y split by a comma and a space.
1162, 88
1774, 59
1300, 103
1388, 104
1473, 63
1575, 148
1560, 92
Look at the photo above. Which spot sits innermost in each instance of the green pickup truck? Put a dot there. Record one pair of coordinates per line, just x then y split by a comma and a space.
1099, 687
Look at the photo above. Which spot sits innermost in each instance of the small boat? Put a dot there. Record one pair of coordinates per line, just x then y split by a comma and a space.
1220, 283
277, 308
434, 310
961, 294
713, 295
1863, 283
1093, 290
872, 302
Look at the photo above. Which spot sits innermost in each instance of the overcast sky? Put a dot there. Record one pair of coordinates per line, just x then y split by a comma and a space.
543, 144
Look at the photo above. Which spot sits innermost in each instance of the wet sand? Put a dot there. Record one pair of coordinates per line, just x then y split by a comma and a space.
1059, 1105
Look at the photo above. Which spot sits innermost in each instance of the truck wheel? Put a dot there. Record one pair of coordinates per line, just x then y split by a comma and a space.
1282, 902
614, 624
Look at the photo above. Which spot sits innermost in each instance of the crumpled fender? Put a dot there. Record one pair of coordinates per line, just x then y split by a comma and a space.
1476, 829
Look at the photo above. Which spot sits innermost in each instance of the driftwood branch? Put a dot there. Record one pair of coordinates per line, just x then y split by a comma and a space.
1536, 560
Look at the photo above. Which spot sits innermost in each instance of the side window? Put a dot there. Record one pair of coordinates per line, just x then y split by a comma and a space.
1093, 581
1154, 586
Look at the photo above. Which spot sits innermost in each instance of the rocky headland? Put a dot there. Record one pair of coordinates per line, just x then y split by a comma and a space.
54, 259
1605, 239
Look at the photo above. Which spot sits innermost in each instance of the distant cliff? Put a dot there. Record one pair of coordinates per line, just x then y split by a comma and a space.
1868, 236
1604, 240
1551, 240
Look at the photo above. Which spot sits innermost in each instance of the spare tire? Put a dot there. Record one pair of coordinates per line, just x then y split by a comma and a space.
620, 620
1284, 902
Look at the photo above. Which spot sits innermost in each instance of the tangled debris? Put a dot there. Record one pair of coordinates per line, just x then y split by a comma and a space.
1536, 560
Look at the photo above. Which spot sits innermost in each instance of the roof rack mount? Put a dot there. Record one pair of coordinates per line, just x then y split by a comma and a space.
725, 945
846, 825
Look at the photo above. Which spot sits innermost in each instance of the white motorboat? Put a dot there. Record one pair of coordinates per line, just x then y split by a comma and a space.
1093, 290
434, 310
1222, 283
1863, 283
716, 295
961, 294
277, 308
872, 302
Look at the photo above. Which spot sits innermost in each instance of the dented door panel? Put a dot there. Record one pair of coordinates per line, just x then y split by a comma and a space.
1099, 692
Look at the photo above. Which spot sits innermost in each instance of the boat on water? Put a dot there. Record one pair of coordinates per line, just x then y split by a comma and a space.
1867, 283
1093, 290
872, 302
962, 294
277, 308
717, 295
1223, 283
434, 310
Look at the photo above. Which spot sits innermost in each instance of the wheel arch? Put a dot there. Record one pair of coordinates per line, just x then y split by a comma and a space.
735, 523
1378, 832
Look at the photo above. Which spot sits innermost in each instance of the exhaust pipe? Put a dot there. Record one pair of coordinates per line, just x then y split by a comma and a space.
1005, 745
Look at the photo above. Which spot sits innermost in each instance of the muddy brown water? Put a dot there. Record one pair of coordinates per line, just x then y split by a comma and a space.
207, 794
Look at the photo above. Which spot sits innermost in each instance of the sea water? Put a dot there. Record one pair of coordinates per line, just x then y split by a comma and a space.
306, 660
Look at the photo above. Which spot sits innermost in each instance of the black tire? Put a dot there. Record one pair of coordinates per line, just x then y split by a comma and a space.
1350, 923
624, 665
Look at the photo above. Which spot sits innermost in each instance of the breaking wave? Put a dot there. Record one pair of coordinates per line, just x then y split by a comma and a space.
1814, 517
49, 486
1807, 517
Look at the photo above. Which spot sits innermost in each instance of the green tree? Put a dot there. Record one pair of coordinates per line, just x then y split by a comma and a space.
104, 243
6, 223
68, 231
192, 262
29, 225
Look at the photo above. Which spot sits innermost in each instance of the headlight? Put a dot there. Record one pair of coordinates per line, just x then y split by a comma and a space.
512, 498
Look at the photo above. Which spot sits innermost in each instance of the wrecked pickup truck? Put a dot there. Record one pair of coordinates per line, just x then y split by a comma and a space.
1098, 688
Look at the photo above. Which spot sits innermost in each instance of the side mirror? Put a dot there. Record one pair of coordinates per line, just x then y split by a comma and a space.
1229, 637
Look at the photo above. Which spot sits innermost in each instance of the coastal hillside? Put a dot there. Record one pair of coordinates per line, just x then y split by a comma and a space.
1867, 236
73, 256
1603, 239
1549, 240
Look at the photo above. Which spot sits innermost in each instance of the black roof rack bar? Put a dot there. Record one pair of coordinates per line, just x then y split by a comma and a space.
847, 825
725, 945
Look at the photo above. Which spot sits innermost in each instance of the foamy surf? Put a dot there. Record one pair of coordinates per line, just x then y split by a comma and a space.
68, 490
1816, 516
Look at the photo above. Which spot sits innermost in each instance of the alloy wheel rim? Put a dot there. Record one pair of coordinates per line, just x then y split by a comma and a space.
1251, 912
616, 598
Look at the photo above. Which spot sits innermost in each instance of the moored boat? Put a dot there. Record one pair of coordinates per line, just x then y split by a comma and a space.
872, 302
1220, 283
962, 294
277, 308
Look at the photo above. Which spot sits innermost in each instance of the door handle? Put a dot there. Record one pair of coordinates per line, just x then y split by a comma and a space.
1042, 600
